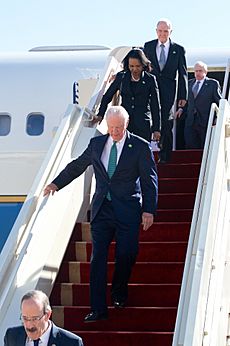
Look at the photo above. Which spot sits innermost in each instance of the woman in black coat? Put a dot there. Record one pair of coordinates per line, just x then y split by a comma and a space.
139, 96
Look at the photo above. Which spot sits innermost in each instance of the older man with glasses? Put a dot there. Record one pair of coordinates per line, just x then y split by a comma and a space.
37, 329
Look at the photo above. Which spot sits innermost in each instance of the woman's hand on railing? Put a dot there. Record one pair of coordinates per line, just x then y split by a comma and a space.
97, 119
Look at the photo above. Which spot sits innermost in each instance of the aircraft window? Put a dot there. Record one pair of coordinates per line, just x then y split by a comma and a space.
35, 124
5, 123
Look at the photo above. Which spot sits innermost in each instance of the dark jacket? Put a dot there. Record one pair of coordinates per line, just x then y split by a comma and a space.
141, 102
200, 106
16, 336
166, 79
134, 180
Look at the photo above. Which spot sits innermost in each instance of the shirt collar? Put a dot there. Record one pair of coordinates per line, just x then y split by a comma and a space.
110, 139
201, 81
44, 338
166, 44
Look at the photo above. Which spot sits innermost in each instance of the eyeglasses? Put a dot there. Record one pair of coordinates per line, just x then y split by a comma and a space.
31, 319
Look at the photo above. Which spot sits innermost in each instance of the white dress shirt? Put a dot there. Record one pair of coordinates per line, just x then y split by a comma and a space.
166, 49
107, 148
44, 338
200, 84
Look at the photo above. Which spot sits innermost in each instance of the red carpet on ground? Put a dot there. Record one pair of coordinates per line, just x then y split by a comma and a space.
150, 315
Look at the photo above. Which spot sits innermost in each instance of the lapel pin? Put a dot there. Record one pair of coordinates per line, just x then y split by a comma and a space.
130, 145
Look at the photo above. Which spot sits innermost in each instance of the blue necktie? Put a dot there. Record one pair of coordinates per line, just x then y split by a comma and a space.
36, 342
162, 59
196, 88
112, 164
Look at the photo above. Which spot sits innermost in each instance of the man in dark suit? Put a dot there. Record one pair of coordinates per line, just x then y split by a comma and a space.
169, 67
37, 327
202, 92
125, 196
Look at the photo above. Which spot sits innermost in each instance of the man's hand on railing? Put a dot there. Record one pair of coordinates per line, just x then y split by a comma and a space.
51, 188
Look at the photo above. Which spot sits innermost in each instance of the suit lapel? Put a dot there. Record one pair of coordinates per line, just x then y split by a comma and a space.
22, 337
53, 340
154, 57
125, 152
172, 51
99, 150
203, 87
191, 86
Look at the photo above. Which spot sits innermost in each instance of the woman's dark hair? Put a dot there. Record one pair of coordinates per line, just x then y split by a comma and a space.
137, 53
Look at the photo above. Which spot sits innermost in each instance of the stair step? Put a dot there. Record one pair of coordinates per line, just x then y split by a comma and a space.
187, 156
148, 251
176, 201
174, 215
177, 185
184, 156
166, 231
172, 170
68, 294
126, 338
143, 272
159, 231
130, 318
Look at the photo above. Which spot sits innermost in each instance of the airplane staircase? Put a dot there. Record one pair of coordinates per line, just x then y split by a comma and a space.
154, 288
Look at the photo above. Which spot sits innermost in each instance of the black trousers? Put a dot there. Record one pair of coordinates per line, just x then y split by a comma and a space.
195, 135
104, 228
166, 141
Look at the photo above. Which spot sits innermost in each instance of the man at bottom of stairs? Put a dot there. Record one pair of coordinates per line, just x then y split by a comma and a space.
37, 327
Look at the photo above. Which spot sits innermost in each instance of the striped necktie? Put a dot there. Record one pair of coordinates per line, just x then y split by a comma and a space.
112, 164
36, 342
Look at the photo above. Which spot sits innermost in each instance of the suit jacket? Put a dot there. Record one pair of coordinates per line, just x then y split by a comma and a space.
142, 103
200, 106
135, 177
166, 79
16, 336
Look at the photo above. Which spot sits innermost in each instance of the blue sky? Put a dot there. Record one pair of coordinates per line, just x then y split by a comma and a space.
29, 23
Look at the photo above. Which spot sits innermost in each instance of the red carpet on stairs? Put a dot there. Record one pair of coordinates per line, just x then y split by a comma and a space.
154, 288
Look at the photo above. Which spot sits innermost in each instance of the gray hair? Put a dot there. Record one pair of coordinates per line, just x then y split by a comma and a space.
201, 64
40, 296
117, 111
166, 21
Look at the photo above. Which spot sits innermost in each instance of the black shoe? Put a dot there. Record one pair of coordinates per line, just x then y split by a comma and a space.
94, 316
119, 304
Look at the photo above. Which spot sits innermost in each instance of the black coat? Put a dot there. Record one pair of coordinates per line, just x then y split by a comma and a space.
174, 68
200, 106
140, 99
135, 176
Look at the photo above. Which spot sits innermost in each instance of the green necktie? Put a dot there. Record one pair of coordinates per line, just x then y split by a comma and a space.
112, 163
